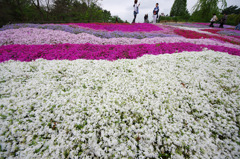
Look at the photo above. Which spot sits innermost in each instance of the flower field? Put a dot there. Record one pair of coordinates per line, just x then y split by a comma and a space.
119, 91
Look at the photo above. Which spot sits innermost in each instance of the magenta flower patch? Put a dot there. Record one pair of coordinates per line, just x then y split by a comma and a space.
99, 52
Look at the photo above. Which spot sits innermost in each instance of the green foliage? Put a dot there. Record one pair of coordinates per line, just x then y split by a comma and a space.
175, 19
14, 10
233, 19
60, 11
115, 19
200, 16
179, 8
204, 9
231, 10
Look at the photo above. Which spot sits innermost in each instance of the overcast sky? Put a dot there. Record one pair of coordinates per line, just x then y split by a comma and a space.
124, 8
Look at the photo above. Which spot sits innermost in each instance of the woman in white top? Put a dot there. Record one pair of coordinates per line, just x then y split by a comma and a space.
135, 12
213, 20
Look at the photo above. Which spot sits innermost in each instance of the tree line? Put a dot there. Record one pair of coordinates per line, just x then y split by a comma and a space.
63, 11
203, 10
43, 11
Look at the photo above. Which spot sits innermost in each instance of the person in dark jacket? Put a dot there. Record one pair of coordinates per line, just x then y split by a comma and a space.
116, 20
238, 26
155, 13
146, 18
223, 21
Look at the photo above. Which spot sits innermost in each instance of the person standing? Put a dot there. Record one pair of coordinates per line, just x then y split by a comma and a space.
146, 18
223, 21
238, 26
155, 13
213, 20
136, 8
116, 20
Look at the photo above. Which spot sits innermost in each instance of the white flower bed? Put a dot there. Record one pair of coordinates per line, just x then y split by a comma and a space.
179, 105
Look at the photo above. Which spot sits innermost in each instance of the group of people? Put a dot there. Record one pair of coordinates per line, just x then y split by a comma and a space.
222, 21
214, 19
136, 11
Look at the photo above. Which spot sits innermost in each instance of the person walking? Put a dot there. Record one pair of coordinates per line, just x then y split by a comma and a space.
223, 21
155, 13
213, 20
136, 8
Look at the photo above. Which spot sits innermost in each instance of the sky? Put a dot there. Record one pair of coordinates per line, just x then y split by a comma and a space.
124, 8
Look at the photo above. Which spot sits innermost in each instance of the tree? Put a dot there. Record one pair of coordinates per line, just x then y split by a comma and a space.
179, 8
116, 19
90, 2
14, 10
204, 9
47, 7
106, 16
79, 11
231, 10
61, 9
37, 4
233, 15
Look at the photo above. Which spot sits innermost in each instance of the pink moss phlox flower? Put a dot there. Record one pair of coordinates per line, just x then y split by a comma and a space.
196, 35
137, 27
34, 36
97, 52
216, 25
231, 33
